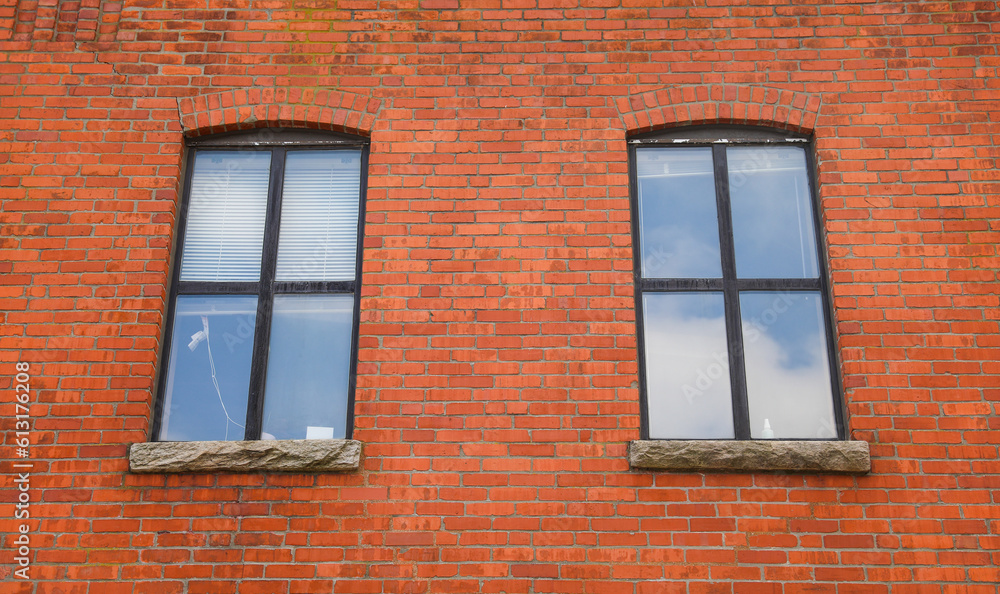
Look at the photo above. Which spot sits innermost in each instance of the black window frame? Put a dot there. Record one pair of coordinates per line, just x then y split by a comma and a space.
718, 138
279, 142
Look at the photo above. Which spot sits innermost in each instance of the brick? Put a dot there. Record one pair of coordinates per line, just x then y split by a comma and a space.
498, 374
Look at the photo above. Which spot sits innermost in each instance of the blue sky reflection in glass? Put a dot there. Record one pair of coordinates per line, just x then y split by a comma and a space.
688, 390
773, 225
678, 218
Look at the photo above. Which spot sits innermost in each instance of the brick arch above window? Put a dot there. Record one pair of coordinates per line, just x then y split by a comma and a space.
247, 109
719, 104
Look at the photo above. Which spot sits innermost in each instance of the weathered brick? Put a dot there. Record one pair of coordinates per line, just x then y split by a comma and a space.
497, 383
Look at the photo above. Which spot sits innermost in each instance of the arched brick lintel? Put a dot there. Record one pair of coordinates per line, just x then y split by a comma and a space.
719, 104
245, 109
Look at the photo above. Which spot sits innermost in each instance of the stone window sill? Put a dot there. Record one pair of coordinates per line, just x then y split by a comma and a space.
298, 455
838, 457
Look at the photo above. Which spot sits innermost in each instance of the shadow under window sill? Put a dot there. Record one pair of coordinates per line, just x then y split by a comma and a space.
820, 457
294, 455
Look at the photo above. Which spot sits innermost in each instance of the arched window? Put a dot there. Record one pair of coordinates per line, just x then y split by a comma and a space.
262, 325
732, 303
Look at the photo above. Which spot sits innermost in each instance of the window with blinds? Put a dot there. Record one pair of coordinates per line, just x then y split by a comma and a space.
319, 213
262, 334
225, 223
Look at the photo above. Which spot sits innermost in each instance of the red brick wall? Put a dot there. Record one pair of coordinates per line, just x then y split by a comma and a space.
497, 377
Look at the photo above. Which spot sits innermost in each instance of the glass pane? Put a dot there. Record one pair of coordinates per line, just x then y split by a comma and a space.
772, 212
225, 221
208, 377
319, 216
787, 365
687, 366
678, 220
308, 367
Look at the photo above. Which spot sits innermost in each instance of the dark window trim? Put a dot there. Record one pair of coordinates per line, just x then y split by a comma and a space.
277, 141
717, 138
707, 135
271, 137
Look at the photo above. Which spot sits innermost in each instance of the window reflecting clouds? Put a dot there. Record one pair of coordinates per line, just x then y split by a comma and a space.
772, 212
677, 213
734, 326
787, 365
687, 366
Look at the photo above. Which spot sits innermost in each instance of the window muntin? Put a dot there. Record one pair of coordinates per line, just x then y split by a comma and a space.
262, 333
735, 343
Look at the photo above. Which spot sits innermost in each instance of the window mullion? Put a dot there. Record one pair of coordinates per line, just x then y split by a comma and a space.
217, 287
681, 284
731, 294
265, 296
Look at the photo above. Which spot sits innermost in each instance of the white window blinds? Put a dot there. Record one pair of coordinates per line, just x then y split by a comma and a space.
225, 222
319, 216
